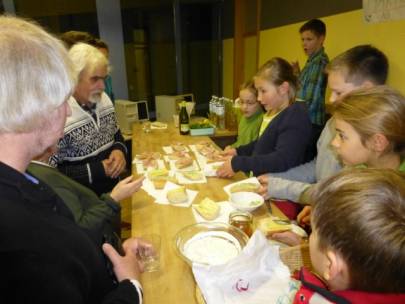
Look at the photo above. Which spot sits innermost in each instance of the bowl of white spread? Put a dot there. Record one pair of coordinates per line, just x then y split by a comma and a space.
246, 201
209, 243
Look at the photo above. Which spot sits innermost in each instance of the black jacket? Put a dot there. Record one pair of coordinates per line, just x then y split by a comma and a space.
44, 256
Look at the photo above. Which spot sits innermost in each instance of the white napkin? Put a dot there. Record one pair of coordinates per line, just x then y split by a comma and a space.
209, 169
158, 125
248, 180
256, 275
223, 216
162, 197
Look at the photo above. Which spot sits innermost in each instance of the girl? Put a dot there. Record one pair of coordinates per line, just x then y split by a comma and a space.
285, 131
370, 132
370, 129
252, 115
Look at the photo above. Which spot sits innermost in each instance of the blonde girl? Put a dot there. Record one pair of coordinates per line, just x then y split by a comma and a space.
370, 129
285, 131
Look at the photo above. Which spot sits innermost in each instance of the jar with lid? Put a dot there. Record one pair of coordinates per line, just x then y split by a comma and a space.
242, 220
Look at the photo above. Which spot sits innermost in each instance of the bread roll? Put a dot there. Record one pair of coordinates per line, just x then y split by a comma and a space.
208, 209
244, 187
177, 196
183, 163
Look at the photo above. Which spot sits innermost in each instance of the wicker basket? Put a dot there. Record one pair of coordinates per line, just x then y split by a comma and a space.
296, 257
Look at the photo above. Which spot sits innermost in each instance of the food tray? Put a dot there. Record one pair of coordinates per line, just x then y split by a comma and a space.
201, 132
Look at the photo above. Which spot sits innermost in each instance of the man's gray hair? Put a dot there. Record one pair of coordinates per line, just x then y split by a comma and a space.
87, 58
36, 75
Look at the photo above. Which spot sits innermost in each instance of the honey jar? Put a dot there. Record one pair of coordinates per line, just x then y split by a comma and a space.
242, 220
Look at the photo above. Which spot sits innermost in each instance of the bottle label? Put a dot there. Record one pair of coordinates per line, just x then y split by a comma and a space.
184, 127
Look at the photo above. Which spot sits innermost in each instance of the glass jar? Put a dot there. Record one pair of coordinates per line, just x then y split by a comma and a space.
242, 220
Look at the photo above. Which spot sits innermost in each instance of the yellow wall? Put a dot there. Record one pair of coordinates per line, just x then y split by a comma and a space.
343, 32
227, 67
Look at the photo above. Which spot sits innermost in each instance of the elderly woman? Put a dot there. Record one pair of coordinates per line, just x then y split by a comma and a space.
44, 256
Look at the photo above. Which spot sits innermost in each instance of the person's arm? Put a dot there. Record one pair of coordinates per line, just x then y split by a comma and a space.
285, 189
119, 142
246, 149
305, 173
291, 145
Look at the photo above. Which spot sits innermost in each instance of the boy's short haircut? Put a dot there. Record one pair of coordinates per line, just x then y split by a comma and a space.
360, 214
361, 63
316, 26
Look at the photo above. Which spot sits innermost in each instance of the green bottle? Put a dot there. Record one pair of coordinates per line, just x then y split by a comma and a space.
184, 120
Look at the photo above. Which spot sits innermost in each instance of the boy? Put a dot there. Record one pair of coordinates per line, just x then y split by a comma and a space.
312, 78
358, 239
360, 67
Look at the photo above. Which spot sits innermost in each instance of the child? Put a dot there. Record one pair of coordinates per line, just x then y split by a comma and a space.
363, 66
370, 129
358, 239
285, 131
252, 115
370, 132
312, 78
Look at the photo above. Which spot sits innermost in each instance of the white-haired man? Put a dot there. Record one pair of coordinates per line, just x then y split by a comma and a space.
44, 256
92, 150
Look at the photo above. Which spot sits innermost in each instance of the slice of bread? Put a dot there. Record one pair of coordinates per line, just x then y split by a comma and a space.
269, 225
208, 209
244, 187
193, 175
177, 196
158, 174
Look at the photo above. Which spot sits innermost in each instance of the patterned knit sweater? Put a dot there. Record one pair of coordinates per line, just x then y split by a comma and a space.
89, 138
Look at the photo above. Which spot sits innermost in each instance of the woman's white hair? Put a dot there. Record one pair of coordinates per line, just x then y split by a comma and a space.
36, 75
87, 58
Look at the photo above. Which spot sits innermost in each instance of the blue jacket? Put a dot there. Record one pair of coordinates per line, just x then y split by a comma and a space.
282, 145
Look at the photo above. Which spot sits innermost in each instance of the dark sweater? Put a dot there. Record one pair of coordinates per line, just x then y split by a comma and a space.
283, 144
44, 256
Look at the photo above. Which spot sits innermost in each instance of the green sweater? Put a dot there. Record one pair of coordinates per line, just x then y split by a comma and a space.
98, 215
248, 129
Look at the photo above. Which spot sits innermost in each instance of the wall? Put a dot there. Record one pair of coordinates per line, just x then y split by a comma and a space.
343, 31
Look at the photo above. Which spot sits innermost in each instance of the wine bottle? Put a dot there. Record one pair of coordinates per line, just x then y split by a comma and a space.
184, 120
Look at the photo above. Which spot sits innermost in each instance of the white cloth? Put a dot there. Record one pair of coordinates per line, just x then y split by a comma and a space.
257, 275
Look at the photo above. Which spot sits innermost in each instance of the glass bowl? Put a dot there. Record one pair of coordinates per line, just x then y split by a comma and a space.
246, 201
209, 243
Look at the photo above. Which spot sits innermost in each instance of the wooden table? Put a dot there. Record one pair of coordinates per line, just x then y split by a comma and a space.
174, 283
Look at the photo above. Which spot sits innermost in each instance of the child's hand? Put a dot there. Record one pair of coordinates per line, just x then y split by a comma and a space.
226, 169
304, 217
229, 151
264, 182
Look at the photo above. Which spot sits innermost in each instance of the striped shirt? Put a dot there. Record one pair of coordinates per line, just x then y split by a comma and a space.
312, 86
